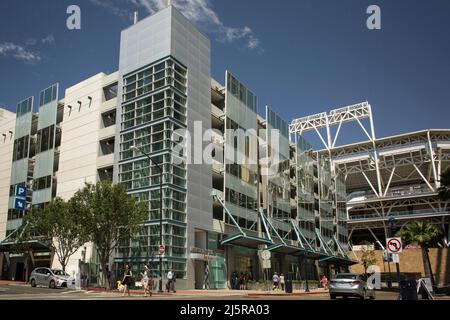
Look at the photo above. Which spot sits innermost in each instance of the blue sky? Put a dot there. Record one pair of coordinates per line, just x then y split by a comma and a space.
300, 57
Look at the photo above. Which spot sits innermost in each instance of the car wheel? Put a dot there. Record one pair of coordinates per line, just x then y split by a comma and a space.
332, 296
33, 283
52, 284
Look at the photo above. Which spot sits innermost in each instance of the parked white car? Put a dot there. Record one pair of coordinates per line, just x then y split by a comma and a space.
51, 278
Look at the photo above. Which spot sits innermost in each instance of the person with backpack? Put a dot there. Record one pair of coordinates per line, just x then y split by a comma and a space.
276, 281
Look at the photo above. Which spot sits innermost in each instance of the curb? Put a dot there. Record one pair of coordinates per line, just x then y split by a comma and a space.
91, 290
285, 294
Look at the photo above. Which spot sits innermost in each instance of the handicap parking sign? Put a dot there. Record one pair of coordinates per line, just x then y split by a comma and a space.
21, 192
20, 204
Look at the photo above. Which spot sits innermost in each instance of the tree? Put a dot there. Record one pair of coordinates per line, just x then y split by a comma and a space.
368, 257
109, 214
444, 190
423, 234
59, 222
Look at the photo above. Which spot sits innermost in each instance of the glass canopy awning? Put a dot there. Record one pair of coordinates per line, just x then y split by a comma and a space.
275, 243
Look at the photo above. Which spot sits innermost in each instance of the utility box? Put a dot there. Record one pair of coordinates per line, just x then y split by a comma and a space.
408, 289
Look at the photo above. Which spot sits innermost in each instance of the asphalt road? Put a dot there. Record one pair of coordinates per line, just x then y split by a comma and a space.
13, 292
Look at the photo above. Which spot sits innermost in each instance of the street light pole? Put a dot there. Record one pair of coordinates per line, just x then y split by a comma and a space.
134, 148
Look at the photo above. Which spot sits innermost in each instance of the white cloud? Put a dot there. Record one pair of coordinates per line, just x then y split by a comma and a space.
113, 6
200, 12
50, 39
22, 52
18, 52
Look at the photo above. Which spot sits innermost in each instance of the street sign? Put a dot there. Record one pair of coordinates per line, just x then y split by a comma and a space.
21, 192
386, 256
20, 204
265, 254
394, 245
162, 249
266, 264
395, 258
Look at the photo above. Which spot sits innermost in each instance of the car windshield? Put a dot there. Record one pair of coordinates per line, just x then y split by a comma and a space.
346, 276
59, 273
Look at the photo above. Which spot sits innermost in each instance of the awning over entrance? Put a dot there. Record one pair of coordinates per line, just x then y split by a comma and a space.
339, 260
286, 249
34, 245
296, 251
245, 240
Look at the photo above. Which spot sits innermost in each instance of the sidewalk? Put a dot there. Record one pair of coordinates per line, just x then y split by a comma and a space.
248, 293
12, 283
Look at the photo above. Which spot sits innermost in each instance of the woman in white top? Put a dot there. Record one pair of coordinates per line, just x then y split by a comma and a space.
145, 281
282, 281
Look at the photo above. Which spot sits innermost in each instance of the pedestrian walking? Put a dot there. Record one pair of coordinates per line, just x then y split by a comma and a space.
171, 281
282, 281
145, 282
241, 281
324, 282
276, 281
127, 279
235, 281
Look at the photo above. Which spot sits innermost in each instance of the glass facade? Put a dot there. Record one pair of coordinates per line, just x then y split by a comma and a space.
304, 169
21, 170
241, 176
326, 198
341, 209
153, 106
46, 158
277, 151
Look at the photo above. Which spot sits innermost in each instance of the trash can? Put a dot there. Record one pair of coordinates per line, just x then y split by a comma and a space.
408, 289
288, 286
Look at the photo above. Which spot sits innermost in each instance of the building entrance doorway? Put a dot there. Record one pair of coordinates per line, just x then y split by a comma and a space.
19, 275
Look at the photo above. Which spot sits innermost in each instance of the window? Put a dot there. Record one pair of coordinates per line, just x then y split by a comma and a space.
24, 106
20, 148
42, 183
110, 92
45, 138
48, 95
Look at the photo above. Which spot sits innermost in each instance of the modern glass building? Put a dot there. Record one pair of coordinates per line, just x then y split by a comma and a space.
261, 190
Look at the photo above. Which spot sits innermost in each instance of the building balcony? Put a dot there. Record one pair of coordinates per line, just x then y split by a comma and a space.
216, 112
109, 105
107, 132
218, 167
105, 161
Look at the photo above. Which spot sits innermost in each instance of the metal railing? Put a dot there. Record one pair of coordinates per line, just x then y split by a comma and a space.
372, 216
395, 192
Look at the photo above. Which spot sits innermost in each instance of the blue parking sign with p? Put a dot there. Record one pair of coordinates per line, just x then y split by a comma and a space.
21, 192
20, 204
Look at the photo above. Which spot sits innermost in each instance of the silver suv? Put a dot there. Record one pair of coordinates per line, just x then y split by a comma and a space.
350, 285
51, 278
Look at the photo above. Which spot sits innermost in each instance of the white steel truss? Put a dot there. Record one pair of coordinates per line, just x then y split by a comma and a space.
396, 171
336, 117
